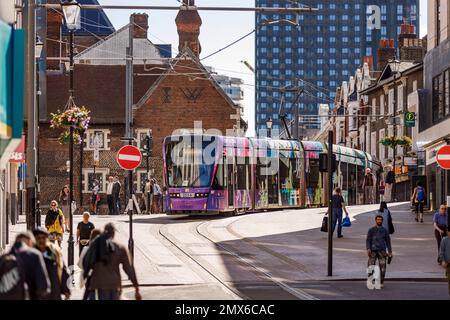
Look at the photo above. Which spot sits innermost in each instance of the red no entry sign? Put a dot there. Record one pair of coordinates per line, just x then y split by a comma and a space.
129, 157
443, 157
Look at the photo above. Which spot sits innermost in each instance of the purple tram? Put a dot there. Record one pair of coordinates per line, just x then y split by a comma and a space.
212, 174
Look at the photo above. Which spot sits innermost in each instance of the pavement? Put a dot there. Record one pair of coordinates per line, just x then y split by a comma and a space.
258, 256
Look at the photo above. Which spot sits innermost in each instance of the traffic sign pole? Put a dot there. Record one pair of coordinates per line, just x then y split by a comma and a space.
129, 158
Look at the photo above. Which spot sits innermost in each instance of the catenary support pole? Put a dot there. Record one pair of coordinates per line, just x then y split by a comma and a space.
330, 203
30, 100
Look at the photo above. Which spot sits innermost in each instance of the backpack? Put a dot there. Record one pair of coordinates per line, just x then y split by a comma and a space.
12, 279
420, 196
156, 190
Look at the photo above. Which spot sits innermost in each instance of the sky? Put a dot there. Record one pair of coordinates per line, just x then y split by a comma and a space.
219, 29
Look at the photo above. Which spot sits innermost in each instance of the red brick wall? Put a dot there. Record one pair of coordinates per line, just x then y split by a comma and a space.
164, 117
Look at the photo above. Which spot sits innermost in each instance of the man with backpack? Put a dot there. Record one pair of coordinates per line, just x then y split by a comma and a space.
23, 274
418, 200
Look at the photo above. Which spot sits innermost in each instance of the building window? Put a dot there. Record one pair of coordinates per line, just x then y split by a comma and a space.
391, 102
374, 106
373, 143
447, 92
382, 154
141, 177
438, 98
99, 137
390, 150
382, 105
89, 177
400, 98
438, 22
141, 135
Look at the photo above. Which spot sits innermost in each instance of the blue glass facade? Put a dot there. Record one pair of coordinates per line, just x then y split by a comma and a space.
324, 50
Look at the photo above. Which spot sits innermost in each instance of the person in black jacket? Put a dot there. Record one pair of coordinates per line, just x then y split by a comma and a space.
116, 195
54, 264
389, 181
32, 265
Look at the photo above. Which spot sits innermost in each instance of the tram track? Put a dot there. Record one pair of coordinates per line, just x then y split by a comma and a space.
199, 229
166, 235
296, 292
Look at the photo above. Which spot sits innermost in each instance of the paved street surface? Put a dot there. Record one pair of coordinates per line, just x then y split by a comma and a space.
273, 255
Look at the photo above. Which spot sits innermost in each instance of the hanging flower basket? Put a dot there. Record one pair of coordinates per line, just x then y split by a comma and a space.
75, 117
391, 141
388, 141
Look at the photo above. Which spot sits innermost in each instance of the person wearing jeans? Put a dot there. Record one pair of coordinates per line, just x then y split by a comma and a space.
338, 208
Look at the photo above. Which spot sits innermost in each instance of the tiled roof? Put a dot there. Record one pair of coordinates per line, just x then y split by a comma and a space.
112, 51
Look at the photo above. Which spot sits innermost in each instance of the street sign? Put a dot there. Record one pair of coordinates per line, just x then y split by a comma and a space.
129, 157
443, 157
96, 155
410, 119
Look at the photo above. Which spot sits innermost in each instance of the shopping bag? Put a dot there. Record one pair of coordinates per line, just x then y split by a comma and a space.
346, 222
324, 227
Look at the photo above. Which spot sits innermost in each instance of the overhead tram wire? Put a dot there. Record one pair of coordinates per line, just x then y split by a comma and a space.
124, 7
315, 87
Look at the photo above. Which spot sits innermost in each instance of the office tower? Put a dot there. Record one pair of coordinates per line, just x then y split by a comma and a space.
324, 49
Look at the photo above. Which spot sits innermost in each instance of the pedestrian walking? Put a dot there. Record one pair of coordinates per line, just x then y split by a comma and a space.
444, 257
54, 222
54, 263
23, 275
85, 282
338, 208
440, 226
418, 200
148, 196
84, 230
156, 197
64, 206
95, 196
378, 245
387, 217
369, 183
116, 195
104, 258
109, 195
388, 183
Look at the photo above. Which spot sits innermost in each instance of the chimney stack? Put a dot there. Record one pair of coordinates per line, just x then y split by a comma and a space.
188, 23
410, 46
385, 53
140, 25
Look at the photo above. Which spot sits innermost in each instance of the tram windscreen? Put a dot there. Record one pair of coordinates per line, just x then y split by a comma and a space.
190, 164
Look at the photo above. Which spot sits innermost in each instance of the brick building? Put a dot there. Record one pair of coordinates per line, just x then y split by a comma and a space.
169, 94
387, 101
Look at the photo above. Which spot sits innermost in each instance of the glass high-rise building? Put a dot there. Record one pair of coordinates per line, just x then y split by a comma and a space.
322, 51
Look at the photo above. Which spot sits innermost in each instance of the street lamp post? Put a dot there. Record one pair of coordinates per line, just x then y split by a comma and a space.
71, 10
38, 51
269, 124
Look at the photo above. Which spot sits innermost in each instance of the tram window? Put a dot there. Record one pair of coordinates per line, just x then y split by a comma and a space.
295, 173
219, 179
284, 172
241, 174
